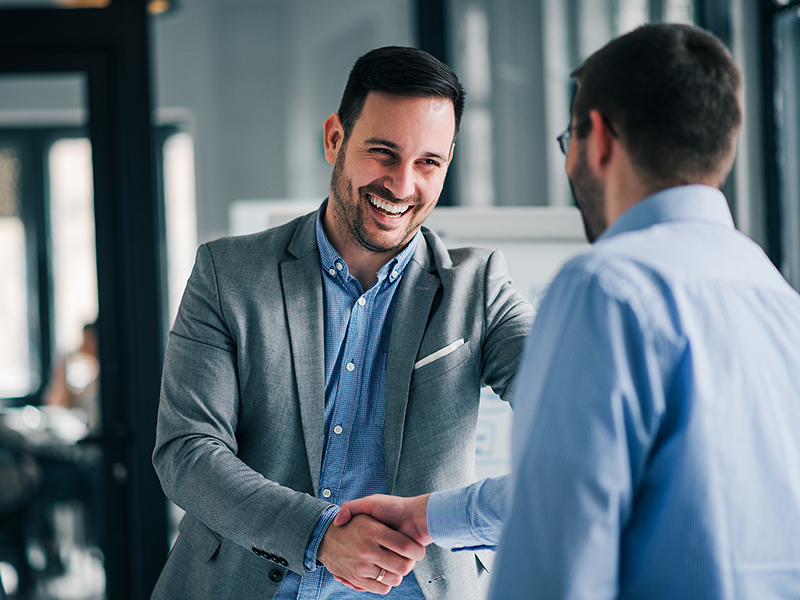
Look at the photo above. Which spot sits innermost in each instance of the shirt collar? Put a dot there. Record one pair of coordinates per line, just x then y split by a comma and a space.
682, 203
332, 262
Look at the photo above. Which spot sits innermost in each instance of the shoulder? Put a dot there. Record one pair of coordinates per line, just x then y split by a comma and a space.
607, 280
456, 261
251, 262
473, 278
271, 245
616, 271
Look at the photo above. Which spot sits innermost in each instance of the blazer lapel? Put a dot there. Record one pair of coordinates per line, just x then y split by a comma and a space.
414, 299
302, 293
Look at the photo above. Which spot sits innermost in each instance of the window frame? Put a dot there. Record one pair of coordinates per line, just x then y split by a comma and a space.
32, 145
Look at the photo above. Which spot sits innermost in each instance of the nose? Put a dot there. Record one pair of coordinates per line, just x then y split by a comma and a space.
401, 182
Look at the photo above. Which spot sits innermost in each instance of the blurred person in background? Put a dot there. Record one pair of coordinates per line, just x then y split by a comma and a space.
75, 381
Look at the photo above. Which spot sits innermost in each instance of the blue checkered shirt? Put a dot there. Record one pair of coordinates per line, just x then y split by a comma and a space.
358, 328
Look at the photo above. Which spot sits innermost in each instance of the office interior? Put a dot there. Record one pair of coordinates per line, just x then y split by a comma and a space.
133, 130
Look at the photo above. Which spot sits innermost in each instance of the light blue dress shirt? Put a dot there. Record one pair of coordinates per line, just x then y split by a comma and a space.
358, 329
656, 442
472, 517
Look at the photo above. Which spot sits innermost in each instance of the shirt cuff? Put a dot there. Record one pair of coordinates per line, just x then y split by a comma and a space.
447, 520
310, 558
470, 518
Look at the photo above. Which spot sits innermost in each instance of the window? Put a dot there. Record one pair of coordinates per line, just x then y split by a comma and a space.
514, 59
19, 372
50, 237
786, 29
71, 218
181, 214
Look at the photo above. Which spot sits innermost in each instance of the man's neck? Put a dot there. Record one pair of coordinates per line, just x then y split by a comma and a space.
625, 186
362, 264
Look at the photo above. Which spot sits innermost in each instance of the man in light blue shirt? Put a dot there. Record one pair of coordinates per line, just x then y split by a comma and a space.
656, 444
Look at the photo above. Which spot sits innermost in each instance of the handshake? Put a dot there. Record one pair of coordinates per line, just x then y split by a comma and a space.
375, 541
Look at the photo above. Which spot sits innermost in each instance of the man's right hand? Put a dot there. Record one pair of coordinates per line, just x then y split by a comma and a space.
357, 551
407, 515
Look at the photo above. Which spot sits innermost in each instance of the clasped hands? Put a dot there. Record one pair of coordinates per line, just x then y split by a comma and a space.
375, 541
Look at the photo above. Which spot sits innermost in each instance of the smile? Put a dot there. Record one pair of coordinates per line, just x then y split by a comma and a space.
392, 209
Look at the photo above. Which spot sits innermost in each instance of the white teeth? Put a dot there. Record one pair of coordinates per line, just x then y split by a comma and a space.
395, 209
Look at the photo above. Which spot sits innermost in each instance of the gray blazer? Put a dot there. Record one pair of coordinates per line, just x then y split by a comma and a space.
241, 419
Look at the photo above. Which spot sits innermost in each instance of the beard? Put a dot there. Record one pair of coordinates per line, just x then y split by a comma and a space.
589, 196
347, 206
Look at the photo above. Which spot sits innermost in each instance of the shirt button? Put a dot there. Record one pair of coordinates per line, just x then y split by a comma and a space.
337, 430
395, 274
350, 367
326, 493
361, 301
332, 271
339, 265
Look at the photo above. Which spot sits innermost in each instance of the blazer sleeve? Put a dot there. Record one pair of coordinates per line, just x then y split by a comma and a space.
196, 445
508, 320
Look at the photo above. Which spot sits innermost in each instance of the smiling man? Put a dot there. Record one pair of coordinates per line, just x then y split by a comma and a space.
387, 175
338, 356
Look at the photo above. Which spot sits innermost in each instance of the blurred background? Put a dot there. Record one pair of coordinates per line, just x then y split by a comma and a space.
133, 130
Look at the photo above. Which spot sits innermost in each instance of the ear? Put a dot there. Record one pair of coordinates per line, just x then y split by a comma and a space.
601, 142
333, 135
452, 149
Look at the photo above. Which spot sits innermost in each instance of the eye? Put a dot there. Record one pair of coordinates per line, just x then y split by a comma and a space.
382, 152
430, 162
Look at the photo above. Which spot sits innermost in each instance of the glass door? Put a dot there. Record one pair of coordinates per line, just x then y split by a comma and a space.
58, 66
51, 435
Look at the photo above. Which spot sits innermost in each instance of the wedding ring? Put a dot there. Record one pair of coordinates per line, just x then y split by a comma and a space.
380, 577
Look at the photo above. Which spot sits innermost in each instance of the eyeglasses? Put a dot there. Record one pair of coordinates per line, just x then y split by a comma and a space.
565, 138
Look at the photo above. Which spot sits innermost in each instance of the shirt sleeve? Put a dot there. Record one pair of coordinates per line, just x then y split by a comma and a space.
470, 518
589, 401
325, 519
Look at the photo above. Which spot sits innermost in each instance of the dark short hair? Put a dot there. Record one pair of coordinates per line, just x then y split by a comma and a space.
401, 71
672, 91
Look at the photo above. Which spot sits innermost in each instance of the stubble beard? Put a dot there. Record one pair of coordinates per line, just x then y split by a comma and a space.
589, 196
348, 211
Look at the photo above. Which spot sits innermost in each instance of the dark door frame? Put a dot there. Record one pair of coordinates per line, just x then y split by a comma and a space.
770, 10
432, 36
111, 47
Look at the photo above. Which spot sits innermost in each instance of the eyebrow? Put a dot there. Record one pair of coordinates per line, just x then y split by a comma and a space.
393, 146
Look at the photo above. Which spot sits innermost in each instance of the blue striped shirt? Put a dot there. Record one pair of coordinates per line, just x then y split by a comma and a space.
358, 329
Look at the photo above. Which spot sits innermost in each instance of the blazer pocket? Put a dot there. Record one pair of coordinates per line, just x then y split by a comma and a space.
440, 362
441, 353
204, 542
